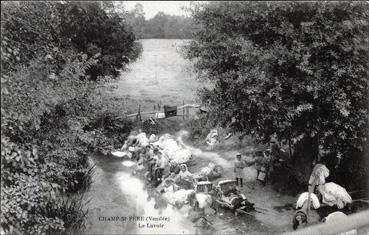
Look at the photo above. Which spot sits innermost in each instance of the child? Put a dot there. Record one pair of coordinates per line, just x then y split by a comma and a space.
239, 170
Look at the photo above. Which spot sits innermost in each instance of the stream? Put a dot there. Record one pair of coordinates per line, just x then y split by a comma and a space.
120, 202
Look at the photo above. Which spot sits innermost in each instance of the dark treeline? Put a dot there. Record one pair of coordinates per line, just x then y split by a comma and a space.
160, 26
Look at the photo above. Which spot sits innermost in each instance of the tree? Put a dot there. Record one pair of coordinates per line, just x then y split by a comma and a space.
136, 19
91, 29
297, 70
160, 26
139, 10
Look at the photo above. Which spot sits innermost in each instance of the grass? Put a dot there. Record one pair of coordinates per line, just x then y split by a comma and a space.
73, 212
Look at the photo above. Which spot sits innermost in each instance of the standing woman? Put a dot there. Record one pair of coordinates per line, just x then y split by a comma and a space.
160, 165
239, 166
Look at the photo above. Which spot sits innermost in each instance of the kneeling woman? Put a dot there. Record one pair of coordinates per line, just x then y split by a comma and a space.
185, 179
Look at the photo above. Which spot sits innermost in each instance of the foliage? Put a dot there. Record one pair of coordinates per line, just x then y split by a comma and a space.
110, 131
199, 128
30, 29
296, 70
48, 97
160, 26
39, 150
30, 197
92, 30
167, 26
150, 127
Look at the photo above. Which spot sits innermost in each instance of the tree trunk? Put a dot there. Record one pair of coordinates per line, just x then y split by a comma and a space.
306, 151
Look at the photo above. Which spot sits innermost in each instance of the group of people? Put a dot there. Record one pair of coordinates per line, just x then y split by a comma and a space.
158, 168
266, 162
327, 198
153, 161
159, 159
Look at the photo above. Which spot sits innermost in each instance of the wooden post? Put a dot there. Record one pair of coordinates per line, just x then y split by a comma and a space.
188, 112
183, 117
138, 117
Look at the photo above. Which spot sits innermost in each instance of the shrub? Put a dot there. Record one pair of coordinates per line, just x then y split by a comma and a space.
199, 128
110, 131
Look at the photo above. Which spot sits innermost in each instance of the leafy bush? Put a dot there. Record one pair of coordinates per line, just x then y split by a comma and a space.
110, 132
199, 128
48, 98
33, 205
91, 29
26, 206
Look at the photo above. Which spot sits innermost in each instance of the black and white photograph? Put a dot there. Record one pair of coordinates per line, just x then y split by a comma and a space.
185, 117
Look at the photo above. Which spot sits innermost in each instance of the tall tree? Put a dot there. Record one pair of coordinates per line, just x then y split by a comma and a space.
136, 18
297, 70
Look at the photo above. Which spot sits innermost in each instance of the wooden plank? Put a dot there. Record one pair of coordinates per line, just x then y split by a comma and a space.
185, 106
189, 105
134, 114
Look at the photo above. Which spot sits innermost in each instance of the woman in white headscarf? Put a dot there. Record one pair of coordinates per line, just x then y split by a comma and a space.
184, 177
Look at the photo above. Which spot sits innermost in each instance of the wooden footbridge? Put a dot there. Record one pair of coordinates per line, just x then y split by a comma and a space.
167, 111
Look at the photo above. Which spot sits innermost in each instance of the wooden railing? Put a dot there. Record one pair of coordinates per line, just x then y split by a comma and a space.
185, 111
